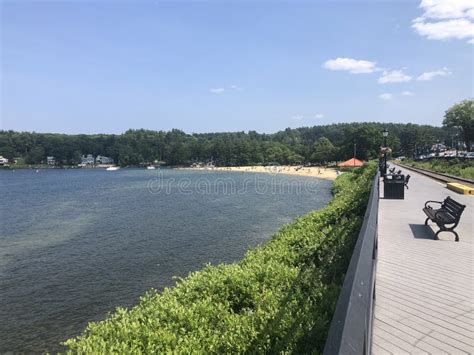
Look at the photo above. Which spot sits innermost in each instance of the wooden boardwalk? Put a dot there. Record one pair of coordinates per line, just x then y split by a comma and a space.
424, 288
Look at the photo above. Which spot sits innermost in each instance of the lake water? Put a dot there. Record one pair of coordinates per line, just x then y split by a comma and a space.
74, 244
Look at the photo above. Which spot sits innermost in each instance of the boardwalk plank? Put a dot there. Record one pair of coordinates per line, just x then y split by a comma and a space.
424, 288
415, 344
398, 293
376, 349
420, 335
398, 342
400, 284
387, 345
439, 320
425, 281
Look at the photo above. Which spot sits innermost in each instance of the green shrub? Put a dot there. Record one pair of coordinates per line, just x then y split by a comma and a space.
279, 298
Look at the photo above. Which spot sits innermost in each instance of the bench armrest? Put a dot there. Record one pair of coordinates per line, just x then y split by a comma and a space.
426, 204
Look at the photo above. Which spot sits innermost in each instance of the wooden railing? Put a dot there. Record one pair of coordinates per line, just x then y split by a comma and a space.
351, 327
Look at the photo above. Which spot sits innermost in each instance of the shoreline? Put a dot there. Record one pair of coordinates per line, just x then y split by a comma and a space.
313, 171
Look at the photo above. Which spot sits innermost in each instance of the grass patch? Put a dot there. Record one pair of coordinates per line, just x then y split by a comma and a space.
457, 167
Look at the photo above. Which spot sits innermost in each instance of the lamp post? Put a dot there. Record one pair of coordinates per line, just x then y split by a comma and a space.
457, 144
385, 134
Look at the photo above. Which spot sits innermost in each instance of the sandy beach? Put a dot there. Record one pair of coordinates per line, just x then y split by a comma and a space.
318, 172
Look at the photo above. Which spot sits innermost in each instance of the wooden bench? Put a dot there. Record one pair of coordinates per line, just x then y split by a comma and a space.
446, 217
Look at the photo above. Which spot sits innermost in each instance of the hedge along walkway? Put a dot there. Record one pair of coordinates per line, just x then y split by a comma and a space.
424, 287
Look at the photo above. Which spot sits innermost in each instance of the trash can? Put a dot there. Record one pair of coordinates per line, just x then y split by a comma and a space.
394, 186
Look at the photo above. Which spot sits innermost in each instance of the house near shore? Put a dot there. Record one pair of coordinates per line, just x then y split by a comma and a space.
3, 160
51, 160
87, 160
102, 159
438, 147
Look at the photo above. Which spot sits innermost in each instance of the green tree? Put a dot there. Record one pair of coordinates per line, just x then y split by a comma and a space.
140, 146
8, 152
295, 159
367, 139
36, 155
414, 139
75, 158
324, 150
461, 116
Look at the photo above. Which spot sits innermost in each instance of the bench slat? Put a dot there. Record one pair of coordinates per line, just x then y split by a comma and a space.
453, 205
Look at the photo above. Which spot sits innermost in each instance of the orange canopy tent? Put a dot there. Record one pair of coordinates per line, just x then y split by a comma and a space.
351, 162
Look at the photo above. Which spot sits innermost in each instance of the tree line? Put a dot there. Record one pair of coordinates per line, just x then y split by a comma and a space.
292, 146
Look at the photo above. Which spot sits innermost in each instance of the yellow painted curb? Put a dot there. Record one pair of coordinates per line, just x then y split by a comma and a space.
460, 188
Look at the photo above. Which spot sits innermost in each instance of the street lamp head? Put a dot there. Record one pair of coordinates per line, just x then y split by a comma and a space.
385, 132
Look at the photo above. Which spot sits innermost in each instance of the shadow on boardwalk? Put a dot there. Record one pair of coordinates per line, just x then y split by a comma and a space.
420, 231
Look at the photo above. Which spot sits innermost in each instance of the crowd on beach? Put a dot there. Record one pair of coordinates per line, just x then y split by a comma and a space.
314, 171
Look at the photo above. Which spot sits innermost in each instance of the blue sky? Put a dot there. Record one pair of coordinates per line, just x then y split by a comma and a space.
104, 67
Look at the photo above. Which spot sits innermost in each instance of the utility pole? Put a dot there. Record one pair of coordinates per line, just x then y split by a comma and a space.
457, 143
355, 150
385, 134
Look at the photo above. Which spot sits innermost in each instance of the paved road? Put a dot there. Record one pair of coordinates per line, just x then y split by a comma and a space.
424, 287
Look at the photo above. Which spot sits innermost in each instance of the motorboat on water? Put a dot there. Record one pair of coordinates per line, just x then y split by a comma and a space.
112, 168
151, 167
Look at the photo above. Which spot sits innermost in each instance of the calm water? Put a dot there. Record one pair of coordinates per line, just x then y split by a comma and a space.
74, 244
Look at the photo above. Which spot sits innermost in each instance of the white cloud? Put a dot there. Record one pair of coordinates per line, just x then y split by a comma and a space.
217, 90
221, 90
446, 9
407, 93
393, 76
352, 65
319, 115
432, 74
297, 117
446, 19
235, 87
457, 28
386, 96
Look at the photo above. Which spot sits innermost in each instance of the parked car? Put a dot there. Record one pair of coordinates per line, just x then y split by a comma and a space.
470, 155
